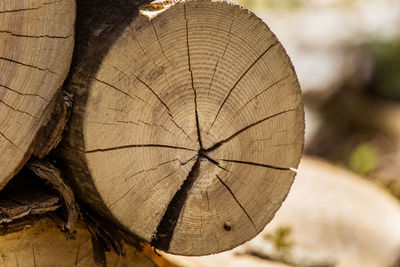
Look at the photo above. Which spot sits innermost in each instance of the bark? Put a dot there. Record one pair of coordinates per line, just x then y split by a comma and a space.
23, 196
37, 39
51, 174
187, 126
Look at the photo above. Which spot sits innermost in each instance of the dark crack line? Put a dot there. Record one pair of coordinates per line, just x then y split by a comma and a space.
217, 145
156, 125
265, 90
130, 189
22, 94
166, 227
166, 162
223, 54
141, 145
102, 123
180, 128
159, 99
128, 122
192, 80
33, 256
51, 3
11, 142
17, 110
148, 87
77, 255
20, 10
238, 81
152, 59
154, 93
159, 42
121, 197
237, 201
163, 127
119, 90
126, 179
26, 65
162, 179
229, 37
151, 169
189, 160
116, 109
258, 164
35, 36
165, 105
212, 77
27, 9
208, 199
139, 172
213, 161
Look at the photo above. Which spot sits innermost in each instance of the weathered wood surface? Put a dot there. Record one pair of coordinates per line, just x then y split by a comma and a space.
23, 196
36, 44
41, 243
187, 127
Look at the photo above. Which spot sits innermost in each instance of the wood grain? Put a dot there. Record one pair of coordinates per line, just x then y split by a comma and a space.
36, 44
189, 127
41, 243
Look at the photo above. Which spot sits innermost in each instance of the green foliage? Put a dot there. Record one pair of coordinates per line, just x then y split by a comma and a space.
363, 159
280, 239
386, 55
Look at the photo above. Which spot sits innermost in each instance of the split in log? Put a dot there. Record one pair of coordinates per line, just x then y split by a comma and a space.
187, 127
37, 39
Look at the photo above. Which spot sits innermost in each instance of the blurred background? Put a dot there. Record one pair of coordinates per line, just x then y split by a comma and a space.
347, 57
343, 209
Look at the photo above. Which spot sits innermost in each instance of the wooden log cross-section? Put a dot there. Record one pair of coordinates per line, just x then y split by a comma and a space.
36, 45
39, 242
188, 125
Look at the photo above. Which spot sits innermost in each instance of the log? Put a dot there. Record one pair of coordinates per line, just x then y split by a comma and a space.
36, 44
188, 124
39, 242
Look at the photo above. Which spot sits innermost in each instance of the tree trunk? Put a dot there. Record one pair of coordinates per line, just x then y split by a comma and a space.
188, 124
37, 39
40, 242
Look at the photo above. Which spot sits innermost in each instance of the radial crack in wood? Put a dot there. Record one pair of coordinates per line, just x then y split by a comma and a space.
166, 227
197, 153
37, 40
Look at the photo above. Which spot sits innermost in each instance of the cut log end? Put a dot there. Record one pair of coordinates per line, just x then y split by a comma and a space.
37, 39
40, 242
190, 128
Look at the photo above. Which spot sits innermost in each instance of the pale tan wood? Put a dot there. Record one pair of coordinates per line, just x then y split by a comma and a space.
188, 129
36, 44
41, 243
